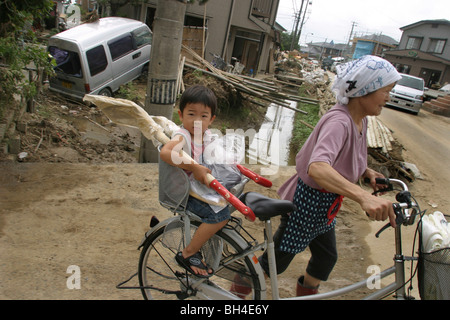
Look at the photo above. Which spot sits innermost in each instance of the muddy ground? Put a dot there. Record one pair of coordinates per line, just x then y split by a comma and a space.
55, 215
88, 204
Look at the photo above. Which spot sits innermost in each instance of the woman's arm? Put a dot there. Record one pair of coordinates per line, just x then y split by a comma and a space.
329, 179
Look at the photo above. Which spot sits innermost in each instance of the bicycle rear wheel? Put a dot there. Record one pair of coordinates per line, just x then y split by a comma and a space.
161, 278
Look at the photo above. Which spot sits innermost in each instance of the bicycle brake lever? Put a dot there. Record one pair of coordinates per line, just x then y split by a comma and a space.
382, 229
398, 219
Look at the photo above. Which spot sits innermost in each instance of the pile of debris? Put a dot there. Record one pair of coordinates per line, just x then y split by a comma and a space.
385, 152
258, 91
314, 81
67, 131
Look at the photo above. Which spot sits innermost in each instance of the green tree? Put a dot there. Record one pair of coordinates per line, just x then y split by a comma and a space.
19, 47
286, 39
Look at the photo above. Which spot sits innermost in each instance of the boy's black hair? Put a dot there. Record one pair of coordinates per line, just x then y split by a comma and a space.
199, 94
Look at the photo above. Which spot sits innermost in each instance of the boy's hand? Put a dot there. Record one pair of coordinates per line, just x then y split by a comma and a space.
200, 173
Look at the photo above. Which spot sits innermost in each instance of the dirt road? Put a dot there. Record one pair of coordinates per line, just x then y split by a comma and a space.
93, 216
426, 138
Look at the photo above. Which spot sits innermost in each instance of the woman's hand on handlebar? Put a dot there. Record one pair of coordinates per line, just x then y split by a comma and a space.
379, 209
370, 176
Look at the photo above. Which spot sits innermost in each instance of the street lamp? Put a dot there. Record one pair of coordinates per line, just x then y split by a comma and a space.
306, 36
306, 43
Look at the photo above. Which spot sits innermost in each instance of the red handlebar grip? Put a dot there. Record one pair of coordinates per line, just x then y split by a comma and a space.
242, 208
255, 177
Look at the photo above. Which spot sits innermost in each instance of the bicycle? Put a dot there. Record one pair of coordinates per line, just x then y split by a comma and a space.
231, 252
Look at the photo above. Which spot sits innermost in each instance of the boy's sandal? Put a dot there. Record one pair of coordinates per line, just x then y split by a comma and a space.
196, 260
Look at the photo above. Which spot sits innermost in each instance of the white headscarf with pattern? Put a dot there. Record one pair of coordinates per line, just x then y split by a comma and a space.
362, 76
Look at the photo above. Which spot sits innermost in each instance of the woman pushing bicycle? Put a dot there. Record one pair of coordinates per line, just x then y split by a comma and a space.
328, 166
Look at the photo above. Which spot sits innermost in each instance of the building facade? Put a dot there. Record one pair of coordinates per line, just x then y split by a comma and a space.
424, 51
236, 30
374, 44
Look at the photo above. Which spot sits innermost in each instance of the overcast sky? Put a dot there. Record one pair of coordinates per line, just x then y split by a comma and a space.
332, 19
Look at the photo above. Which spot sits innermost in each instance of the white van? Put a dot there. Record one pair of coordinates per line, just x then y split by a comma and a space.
407, 94
98, 57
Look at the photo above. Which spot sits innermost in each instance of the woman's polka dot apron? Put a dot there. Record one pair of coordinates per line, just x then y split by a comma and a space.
314, 215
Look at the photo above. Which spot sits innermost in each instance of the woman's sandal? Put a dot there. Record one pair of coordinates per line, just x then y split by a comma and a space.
196, 260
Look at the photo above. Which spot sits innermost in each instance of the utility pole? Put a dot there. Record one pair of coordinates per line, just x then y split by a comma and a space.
299, 21
163, 69
85, 5
294, 32
303, 18
350, 36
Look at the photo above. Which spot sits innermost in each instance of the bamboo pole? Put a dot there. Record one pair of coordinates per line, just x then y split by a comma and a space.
247, 85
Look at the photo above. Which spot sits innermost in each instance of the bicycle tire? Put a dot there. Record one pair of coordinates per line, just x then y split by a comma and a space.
160, 277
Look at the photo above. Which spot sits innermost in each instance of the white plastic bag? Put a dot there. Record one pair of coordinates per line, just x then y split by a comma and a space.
435, 232
228, 149
221, 156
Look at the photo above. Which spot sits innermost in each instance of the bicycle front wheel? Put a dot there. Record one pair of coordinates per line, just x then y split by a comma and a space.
161, 278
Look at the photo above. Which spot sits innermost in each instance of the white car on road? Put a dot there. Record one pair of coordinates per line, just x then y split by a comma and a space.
408, 93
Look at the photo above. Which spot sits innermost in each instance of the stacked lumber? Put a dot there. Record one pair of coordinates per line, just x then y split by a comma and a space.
257, 91
385, 151
378, 135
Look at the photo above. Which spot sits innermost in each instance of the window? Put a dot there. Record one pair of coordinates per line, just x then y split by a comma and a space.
248, 35
436, 45
97, 61
411, 82
402, 68
414, 43
142, 37
67, 62
121, 46
261, 8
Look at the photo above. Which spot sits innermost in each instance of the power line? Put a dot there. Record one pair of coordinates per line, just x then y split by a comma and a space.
299, 22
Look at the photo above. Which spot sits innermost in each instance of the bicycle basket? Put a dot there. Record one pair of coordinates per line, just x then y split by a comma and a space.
434, 274
173, 187
173, 238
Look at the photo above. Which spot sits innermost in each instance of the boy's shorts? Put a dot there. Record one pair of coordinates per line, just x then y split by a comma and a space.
206, 213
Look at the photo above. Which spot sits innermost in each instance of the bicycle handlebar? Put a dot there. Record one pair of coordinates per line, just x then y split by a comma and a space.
231, 198
235, 202
402, 208
255, 177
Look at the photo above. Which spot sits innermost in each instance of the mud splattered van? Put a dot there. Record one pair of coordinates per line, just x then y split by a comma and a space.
98, 57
